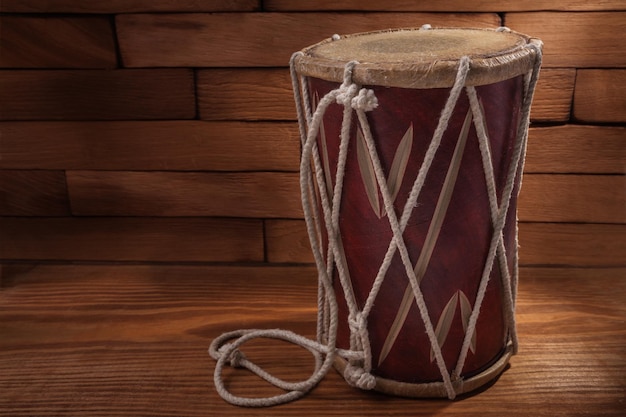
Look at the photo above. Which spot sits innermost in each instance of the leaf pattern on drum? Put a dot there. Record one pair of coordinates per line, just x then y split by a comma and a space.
327, 177
447, 316
466, 312
400, 162
367, 172
445, 322
431, 237
396, 172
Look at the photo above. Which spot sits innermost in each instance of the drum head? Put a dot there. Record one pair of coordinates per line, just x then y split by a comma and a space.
420, 58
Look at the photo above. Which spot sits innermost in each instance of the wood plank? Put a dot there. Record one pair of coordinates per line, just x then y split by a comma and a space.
253, 39
558, 244
153, 145
573, 198
441, 6
544, 198
266, 94
572, 244
33, 193
99, 324
224, 146
57, 42
600, 96
97, 94
574, 39
287, 241
248, 94
113, 193
576, 149
553, 95
131, 239
125, 6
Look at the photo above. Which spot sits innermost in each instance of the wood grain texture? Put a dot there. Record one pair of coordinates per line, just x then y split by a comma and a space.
573, 198
576, 149
56, 42
565, 244
578, 40
553, 95
266, 94
132, 340
131, 239
253, 39
287, 241
258, 146
97, 94
33, 193
125, 6
248, 94
112, 193
600, 96
154, 145
441, 6
545, 198
572, 244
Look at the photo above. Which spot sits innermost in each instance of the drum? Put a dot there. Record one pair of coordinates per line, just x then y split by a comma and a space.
413, 144
413, 148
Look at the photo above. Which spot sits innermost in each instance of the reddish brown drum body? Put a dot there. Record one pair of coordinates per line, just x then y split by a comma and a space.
460, 251
450, 228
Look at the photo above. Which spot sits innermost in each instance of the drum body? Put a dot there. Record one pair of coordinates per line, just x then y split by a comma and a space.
449, 232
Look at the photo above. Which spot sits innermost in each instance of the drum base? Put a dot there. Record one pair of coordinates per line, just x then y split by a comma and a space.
436, 389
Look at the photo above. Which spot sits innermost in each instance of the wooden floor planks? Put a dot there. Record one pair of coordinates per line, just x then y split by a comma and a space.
132, 340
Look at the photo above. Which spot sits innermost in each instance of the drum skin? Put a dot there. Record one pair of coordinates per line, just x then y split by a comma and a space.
455, 268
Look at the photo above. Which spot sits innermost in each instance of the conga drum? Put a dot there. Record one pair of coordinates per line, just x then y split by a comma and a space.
413, 145
413, 149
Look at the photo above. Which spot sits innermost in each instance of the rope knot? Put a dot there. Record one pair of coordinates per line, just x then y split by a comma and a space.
346, 94
357, 323
236, 356
365, 100
357, 377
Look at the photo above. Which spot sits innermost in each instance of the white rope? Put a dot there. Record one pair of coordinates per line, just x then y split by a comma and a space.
350, 96
483, 143
357, 372
397, 241
514, 171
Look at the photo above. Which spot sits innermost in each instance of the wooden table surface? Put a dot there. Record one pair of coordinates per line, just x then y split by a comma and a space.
130, 340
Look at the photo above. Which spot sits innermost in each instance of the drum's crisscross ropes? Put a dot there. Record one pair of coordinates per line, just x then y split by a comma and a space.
357, 372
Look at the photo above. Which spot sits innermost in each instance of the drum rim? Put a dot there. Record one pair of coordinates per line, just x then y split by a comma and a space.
484, 69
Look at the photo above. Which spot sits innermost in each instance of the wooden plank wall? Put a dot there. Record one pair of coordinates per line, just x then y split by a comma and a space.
164, 131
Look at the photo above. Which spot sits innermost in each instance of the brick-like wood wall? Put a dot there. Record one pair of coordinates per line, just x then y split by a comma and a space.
164, 130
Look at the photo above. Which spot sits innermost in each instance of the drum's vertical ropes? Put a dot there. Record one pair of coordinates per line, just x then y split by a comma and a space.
357, 372
485, 150
514, 171
398, 227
